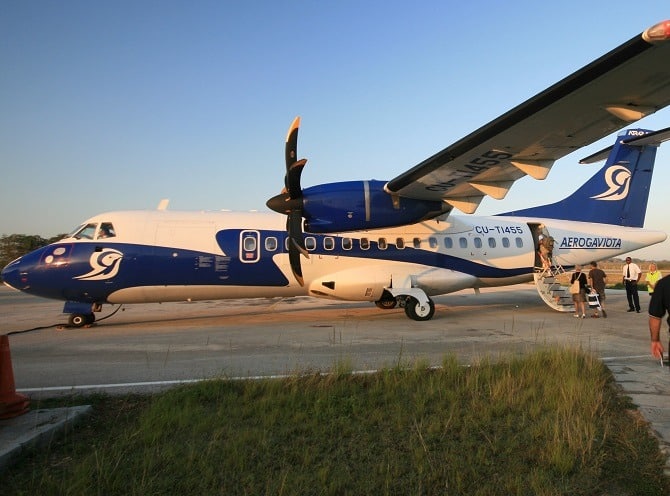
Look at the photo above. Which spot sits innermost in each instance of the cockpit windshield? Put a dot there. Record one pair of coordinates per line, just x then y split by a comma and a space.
94, 230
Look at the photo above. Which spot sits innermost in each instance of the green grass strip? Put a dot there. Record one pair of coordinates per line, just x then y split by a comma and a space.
550, 423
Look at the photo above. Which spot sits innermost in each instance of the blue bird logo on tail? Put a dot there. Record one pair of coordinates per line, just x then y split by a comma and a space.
617, 178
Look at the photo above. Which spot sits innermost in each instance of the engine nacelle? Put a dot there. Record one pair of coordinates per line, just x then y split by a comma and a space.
362, 205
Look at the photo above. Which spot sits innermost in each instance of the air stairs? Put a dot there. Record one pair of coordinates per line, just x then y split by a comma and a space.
551, 291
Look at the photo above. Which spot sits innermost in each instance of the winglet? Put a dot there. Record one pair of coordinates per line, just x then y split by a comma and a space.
163, 204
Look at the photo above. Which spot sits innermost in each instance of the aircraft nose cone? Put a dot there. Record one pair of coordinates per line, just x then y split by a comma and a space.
12, 276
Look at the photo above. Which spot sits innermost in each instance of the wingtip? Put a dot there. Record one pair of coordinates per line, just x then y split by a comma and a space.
657, 33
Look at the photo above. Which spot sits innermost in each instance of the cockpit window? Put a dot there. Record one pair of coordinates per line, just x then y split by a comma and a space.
94, 231
84, 232
106, 230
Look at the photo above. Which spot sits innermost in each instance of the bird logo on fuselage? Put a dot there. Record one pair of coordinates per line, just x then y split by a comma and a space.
104, 264
617, 178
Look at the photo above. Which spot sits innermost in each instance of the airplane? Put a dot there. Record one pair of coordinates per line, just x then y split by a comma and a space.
398, 242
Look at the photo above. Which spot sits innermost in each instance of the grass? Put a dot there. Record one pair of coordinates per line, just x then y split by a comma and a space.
551, 423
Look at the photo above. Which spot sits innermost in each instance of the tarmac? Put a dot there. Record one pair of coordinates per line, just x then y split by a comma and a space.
647, 384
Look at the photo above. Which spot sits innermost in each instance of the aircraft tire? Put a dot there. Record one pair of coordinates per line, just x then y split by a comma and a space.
386, 304
81, 319
415, 311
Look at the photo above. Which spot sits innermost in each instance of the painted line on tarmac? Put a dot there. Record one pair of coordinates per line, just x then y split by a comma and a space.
629, 357
237, 378
171, 382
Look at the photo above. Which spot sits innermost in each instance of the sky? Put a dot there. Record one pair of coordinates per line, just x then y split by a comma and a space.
116, 105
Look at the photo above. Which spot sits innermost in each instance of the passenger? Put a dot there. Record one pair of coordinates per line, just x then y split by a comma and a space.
579, 297
597, 280
545, 249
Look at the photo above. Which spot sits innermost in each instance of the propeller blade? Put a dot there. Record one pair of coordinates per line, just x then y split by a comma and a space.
294, 227
292, 179
292, 142
296, 268
290, 202
293, 166
296, 244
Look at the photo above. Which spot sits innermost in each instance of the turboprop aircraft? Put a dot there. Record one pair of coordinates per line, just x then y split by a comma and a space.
395, 242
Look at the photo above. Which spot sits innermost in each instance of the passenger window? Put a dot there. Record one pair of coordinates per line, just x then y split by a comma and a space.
463, 242
400, 243
271, 243
328, 243
448, 243
310, 243
478, 242
346, 243
492, 242
519, 242
432, 242
505, 242
365, 243
416, 242
249, 243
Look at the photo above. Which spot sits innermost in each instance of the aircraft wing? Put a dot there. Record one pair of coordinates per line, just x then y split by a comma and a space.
626, 84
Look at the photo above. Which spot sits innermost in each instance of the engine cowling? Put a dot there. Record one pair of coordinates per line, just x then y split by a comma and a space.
350, 285
361, 205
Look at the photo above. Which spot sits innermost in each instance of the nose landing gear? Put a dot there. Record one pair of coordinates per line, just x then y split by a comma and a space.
81, 314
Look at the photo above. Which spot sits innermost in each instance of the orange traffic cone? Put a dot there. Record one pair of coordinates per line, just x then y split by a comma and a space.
12, 404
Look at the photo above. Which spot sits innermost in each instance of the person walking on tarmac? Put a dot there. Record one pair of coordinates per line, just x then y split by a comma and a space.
659, 305
597, 279
631, 276
579, 298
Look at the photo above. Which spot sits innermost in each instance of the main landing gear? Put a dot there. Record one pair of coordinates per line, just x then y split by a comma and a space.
418, 306
416, 310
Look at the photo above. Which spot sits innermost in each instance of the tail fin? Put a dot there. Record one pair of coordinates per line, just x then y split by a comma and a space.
618, 193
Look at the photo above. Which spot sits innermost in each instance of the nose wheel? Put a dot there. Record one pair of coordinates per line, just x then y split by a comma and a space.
81, 319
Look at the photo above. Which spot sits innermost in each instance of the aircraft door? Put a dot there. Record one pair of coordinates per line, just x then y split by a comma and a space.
250, 248
544, 245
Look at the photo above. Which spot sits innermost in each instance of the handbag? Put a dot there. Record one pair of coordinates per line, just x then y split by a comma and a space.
574, 287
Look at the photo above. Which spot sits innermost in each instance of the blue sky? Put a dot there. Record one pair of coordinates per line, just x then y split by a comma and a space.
115, 105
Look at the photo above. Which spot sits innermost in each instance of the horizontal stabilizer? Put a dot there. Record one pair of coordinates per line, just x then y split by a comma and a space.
654, 138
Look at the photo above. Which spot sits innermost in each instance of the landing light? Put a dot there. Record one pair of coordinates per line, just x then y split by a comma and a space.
658, 32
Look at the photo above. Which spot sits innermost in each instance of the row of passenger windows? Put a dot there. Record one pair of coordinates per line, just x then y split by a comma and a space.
271, 243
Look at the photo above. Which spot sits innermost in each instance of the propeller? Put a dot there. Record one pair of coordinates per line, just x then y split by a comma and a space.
290, 202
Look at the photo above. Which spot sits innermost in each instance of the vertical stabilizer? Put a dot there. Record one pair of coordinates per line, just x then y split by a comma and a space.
618, 193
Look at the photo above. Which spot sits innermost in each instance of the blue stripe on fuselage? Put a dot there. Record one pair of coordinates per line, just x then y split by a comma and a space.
84, 271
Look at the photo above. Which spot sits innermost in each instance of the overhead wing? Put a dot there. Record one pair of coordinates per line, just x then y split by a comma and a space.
626, 84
